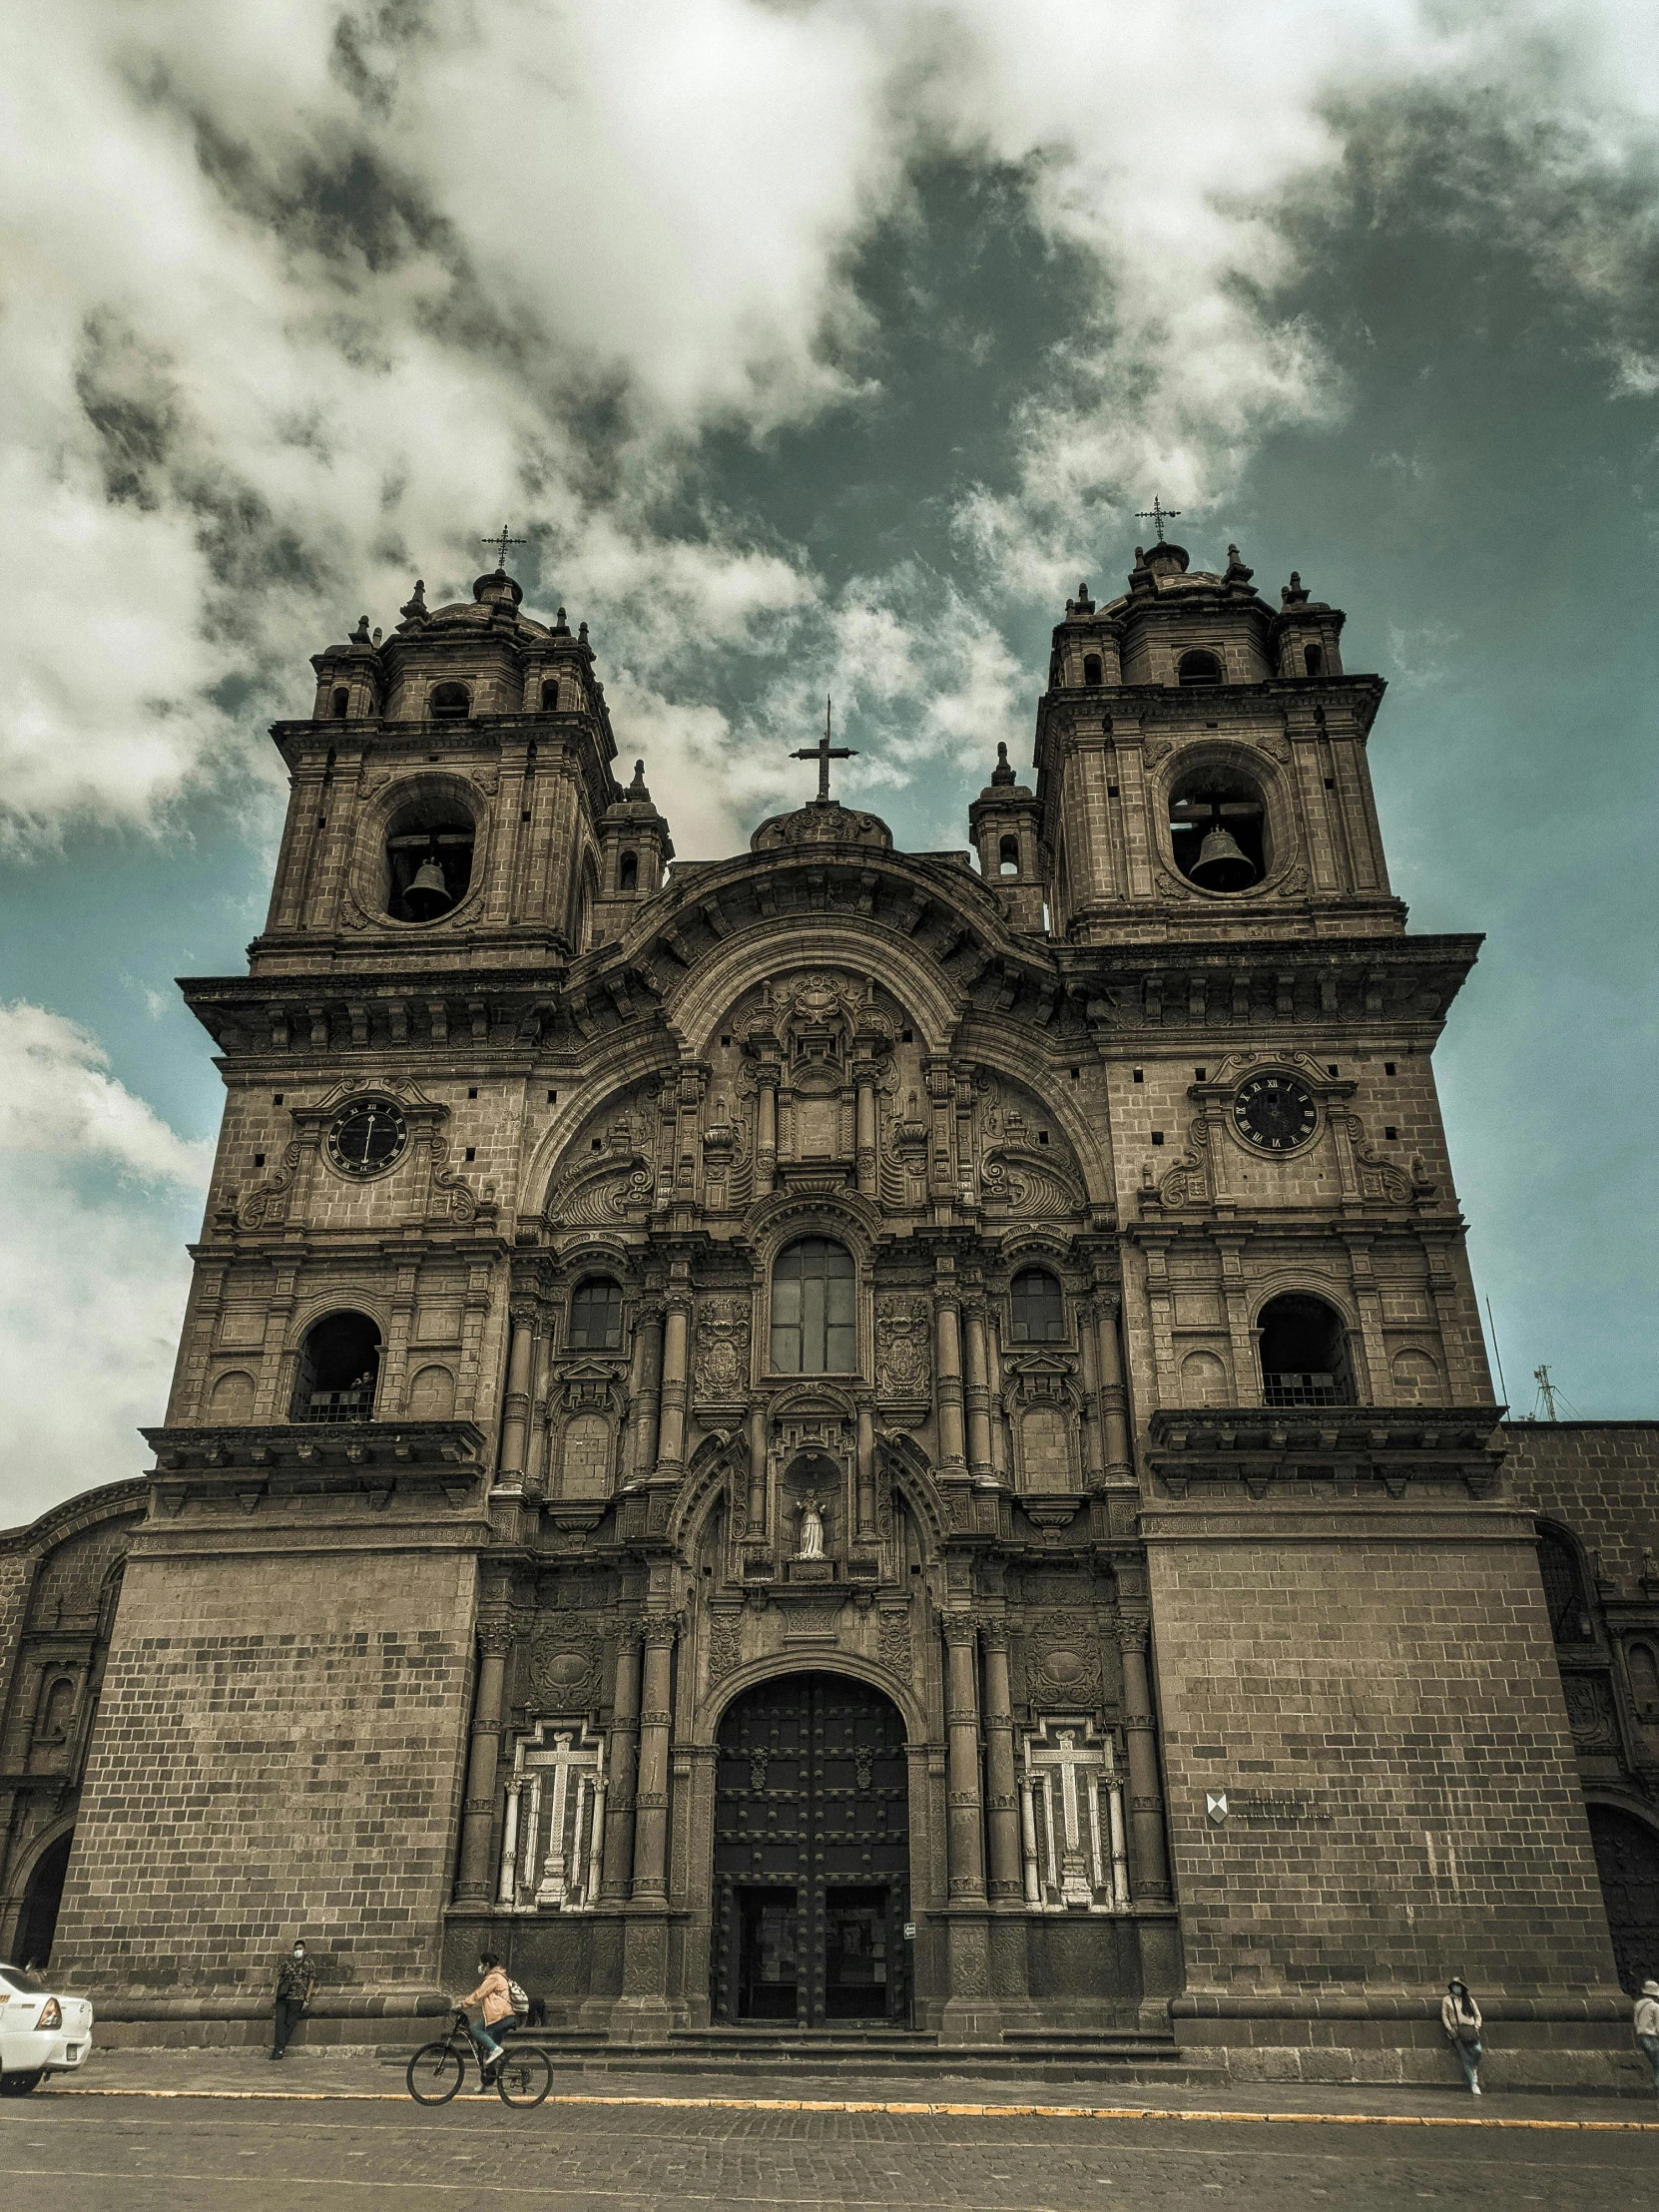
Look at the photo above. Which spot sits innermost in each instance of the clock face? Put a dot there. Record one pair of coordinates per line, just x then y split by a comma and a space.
1274, 1113
366, 1136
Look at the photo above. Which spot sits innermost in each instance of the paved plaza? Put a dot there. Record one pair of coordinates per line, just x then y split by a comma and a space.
189, 2133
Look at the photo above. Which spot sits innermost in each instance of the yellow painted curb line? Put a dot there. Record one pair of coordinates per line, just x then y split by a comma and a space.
951, 2112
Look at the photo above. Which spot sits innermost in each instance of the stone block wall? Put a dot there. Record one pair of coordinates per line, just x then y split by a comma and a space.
278, 1752
1598, 1478
1376, 1695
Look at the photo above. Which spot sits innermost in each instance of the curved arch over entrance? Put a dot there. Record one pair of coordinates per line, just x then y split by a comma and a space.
1627, 1860
811, 1847
37, 1922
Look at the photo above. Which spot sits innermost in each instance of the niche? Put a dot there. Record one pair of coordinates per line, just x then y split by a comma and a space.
449, 703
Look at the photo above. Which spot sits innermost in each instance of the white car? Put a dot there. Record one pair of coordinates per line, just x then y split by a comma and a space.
40, 2032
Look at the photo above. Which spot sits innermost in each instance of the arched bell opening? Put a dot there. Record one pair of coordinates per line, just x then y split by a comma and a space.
811, 1855
429, 846
1218, 830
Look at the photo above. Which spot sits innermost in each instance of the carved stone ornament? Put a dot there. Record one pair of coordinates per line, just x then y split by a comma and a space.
1062, 1657
1033, 1187
903, 1344
893, 1647
564, 1666
1590, 1713
724, 1646
720, 1373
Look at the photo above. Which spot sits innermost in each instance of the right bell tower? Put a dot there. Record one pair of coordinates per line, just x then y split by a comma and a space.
1369, 1773
1195, 744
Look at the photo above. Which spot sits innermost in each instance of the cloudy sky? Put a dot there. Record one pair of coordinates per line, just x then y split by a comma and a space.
815, 346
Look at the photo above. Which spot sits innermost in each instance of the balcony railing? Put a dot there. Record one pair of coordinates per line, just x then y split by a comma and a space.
337, 1406
1301, 1389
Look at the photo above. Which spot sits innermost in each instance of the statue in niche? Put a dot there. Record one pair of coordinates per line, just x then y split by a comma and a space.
810, 1529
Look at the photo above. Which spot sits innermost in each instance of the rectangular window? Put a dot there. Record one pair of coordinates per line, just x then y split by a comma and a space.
813, 1318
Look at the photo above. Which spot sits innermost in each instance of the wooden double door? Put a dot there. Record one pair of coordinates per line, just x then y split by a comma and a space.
811, 1855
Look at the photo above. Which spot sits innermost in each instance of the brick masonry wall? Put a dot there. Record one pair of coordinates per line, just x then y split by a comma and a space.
1382, 1706
278, 1752
1598, 1478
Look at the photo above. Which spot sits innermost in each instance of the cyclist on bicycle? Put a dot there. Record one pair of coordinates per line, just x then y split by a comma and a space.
493, 1999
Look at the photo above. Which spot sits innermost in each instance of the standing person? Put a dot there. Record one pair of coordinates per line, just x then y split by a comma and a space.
493, 1998
1460, 2018
296, 1979
1646, 2025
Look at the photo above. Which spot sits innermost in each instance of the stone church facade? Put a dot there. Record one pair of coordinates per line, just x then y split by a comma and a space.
838, 1436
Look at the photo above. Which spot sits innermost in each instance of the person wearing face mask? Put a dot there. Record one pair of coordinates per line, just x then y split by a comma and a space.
296, 1979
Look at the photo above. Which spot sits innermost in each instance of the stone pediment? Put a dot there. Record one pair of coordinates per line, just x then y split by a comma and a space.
822, 822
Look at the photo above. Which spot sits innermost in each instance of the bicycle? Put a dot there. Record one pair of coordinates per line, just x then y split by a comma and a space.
522, 2076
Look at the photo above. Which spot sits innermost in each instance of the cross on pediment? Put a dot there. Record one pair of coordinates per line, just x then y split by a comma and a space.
824, 753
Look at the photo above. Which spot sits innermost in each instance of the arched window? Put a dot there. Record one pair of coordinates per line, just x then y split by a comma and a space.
1644, 1680
449, 703
813, 1318
429, 859
1091, 668
1037, 1311
1198, 668
340, 1367
343, 700
628, 874
1569, 1619
1312, 659
1304, 1354
550, 697
596, 1315
1007, 856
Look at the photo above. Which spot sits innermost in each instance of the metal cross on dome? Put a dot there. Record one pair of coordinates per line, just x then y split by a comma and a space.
824, 753
1158, 514
501, 541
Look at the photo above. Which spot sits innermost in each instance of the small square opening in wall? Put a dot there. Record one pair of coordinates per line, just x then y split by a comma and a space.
1390, 1132
1077, 1075
276, 1098
1331, 1067
259, 1159
525, 814
1157, 1136
1042, 1136
598, 1144
907, 1037
1329, 782
1111, 790
471, 1152
1387, 1067
552, 1098
726, 1044
1201, 1075
474, 1093
1138, 1075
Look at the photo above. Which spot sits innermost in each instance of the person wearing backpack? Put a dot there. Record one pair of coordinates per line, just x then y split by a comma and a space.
497, 2013
1460, 2018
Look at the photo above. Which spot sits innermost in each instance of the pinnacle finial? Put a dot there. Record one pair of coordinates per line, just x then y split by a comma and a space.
1002, 772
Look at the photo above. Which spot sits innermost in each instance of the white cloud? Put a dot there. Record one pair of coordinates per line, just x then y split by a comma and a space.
97, 1195
299, 299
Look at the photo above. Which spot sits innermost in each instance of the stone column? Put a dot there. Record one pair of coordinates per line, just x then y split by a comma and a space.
671, 1423
495, 1640
1002, 1805
766, 1133
979, 1396
651, 1799
1114, 1409
1146, 1797
864, 1076
647, 1389
948, 1361
515, 1412
999, 1413
866, 1474
625, 1745
757, 1472
964, 1843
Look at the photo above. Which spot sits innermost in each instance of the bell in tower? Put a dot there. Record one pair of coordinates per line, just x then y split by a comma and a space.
1222, 863
1222, 815
429, 895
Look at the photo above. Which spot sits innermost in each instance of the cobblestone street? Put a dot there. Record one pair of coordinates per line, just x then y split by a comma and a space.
121, 2152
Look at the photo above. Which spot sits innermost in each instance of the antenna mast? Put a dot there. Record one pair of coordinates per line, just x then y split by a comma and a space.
1547, 1390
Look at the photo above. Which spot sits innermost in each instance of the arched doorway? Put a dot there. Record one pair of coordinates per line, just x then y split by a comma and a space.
1627, 1860
37, 1923
811, 1855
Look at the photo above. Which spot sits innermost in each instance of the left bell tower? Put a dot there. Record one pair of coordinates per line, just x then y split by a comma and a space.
336, 1458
